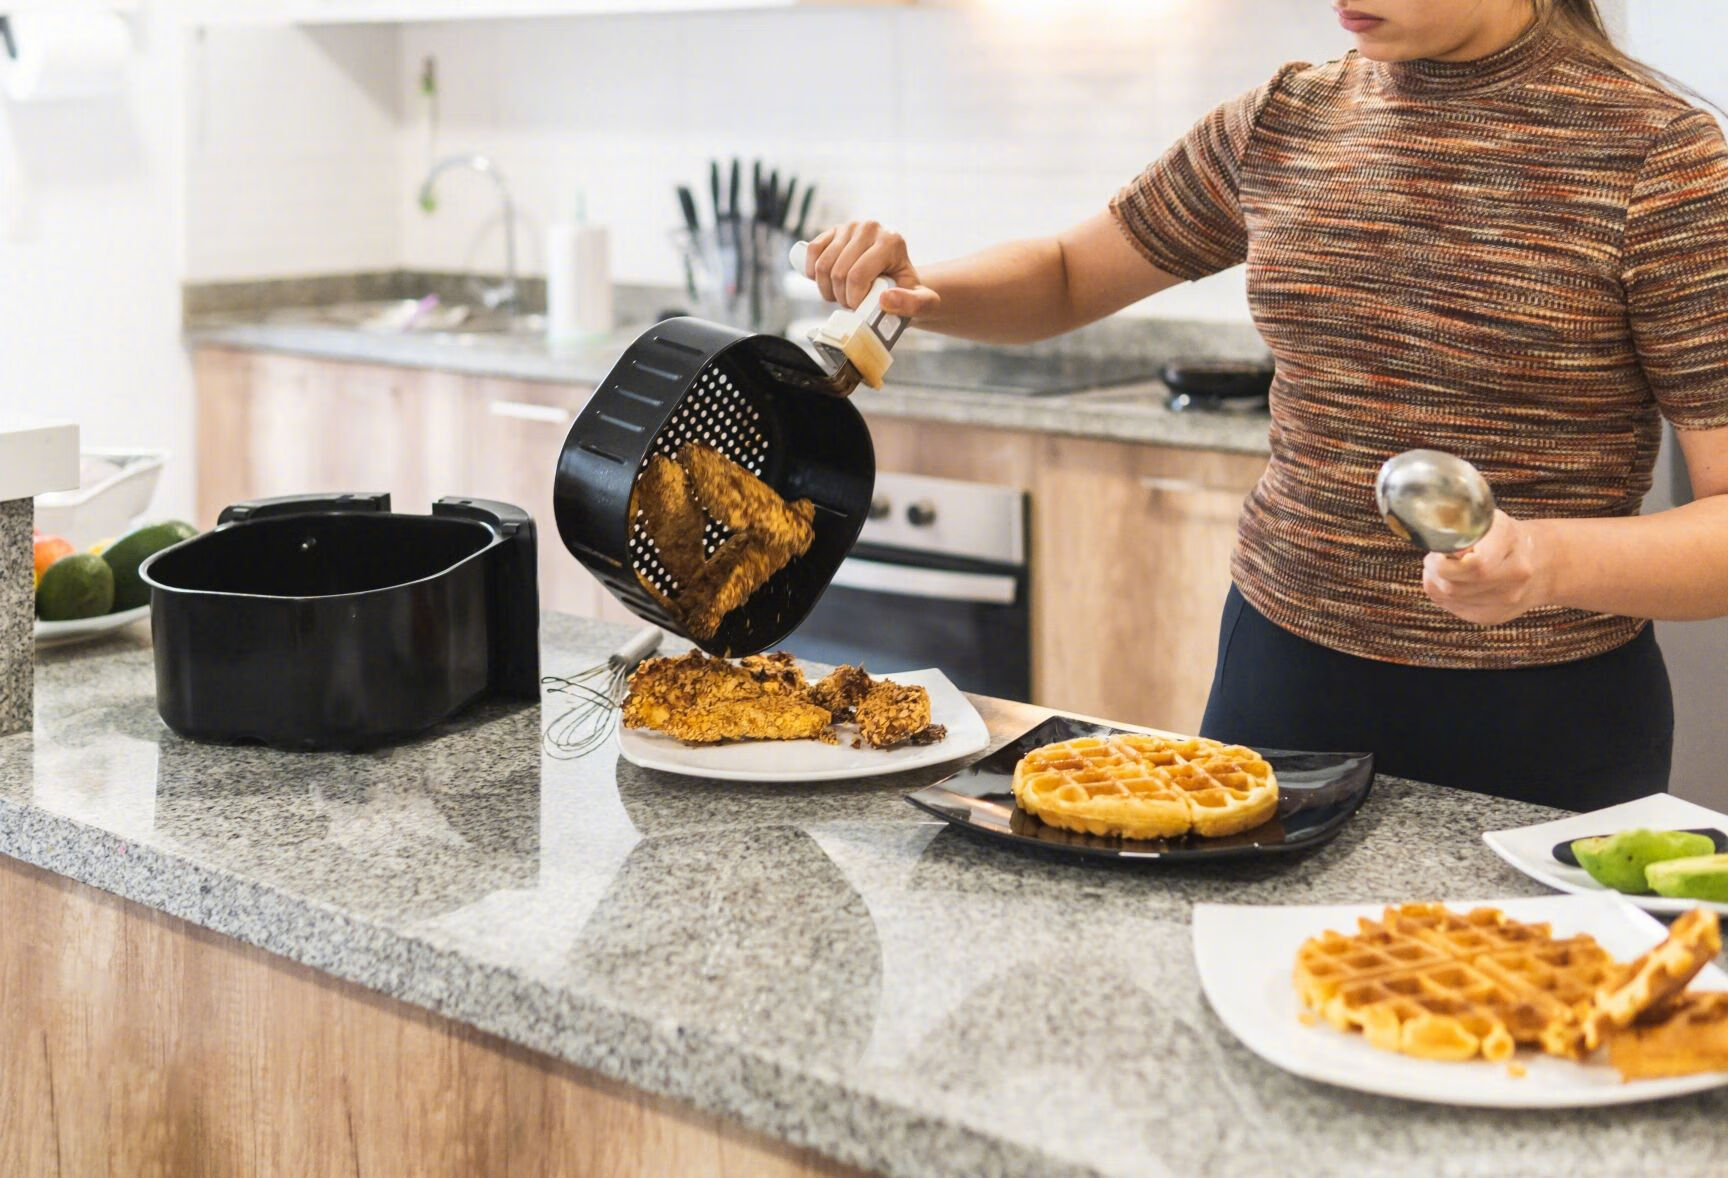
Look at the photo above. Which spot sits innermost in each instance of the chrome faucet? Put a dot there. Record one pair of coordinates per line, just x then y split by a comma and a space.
496, 296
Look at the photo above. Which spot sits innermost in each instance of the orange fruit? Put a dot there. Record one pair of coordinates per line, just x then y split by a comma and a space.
48, 550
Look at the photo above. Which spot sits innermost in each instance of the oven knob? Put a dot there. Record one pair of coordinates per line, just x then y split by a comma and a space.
921, 514
880, 508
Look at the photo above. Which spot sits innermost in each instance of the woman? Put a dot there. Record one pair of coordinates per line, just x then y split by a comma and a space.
1485, 231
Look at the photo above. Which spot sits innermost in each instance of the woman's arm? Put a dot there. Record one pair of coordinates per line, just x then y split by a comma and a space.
1008, 294
1672, 566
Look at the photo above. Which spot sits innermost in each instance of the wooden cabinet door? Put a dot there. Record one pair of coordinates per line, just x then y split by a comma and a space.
1131, 549
515, 432
222, 431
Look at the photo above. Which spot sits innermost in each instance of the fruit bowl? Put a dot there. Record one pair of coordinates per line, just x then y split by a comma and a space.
115, 488
52, 634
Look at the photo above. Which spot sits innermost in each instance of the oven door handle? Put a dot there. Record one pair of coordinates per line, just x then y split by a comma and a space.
911, 581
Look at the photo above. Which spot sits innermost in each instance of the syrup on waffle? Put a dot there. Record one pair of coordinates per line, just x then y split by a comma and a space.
1147, 787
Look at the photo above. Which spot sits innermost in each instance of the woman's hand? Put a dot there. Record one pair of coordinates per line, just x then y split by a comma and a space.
1503, 576
847, 259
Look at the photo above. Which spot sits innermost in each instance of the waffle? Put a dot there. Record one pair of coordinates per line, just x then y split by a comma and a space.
1437, 984
1690, 1036
1656, 977
1145, 787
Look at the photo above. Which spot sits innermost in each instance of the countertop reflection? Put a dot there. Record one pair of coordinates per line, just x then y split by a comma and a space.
820, 962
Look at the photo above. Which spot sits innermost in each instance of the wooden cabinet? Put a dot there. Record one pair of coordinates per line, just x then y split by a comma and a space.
514, 432
271, 424
1130, 542
1130, 558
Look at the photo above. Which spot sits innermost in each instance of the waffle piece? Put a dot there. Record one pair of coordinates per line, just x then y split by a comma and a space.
893, 712
1656, 977
1688, 1035
1146, 787
1426, 981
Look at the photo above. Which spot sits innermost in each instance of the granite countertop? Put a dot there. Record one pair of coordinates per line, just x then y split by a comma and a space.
824, 963
1129, 413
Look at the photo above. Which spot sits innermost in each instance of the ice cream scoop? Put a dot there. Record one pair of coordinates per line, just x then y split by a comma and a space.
1435, 500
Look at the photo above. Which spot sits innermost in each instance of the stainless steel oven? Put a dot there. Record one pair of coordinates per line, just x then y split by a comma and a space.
939, 578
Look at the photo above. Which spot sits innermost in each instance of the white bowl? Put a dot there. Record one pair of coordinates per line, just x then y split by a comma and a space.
115, 489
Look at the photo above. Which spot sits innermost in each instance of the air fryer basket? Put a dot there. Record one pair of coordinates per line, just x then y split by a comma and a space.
759, 400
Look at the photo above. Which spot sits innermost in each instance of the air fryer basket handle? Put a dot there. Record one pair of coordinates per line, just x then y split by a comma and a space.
515, 593
304, 505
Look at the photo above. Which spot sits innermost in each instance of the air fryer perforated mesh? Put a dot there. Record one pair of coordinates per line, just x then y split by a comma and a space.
758, 400
716, 413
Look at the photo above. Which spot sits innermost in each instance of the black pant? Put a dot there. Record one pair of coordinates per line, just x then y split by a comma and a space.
1578, 735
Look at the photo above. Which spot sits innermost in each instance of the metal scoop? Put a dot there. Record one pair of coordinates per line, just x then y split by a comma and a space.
1435, 500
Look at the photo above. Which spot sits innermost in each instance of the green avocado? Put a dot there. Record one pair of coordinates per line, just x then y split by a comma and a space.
133, 549
73, 587
1699, 877
1618, 861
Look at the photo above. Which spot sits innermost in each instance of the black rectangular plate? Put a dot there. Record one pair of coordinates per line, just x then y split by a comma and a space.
1317, 793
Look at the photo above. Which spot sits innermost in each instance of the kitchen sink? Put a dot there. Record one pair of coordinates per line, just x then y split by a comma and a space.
427, 316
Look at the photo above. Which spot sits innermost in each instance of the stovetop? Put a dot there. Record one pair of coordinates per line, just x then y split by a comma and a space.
1013, 373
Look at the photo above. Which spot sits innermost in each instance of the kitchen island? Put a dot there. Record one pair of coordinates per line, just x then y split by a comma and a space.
464, 953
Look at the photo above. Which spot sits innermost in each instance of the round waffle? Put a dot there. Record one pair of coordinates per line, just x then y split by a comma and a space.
1146, 787
1438, 984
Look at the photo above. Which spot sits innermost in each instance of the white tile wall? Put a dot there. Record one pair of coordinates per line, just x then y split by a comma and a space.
959, 126
89, 263
291, 151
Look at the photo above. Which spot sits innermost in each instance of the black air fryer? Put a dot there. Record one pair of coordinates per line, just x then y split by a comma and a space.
329, 621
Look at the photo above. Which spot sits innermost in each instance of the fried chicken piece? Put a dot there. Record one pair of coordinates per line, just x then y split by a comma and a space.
893, 712
776, 672
675, 500
842, 690
670, 517
771, 717
741, 501
935, 734
739, 567
704, 700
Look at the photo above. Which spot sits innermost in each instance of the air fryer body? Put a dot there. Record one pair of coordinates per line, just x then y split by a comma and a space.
342, 628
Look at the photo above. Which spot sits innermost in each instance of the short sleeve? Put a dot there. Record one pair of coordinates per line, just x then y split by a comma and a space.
1676, 271
1183, 211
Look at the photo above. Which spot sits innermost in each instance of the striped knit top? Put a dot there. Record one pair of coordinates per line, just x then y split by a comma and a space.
1522, 260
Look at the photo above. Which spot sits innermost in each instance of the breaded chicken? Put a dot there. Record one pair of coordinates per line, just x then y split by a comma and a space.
705, 700
670, 516
739, 567
893, 712
741, 501
842, 690
673, 502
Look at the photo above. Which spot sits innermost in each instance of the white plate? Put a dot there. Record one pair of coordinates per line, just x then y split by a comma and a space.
1530, 848
811, 760
65, 633
1245, 953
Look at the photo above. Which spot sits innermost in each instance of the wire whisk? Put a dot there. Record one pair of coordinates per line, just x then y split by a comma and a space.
596, 693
